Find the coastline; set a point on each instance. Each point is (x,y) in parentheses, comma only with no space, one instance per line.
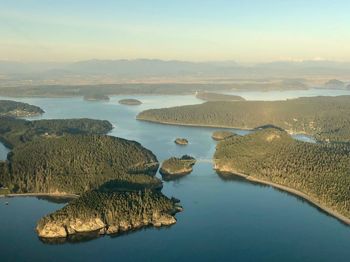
(193,125)
(213,126)
(293,191)
(40,194)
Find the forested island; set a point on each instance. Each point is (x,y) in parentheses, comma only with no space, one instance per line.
(316,172)
(130,102)
(109,213)
(209,96)
(324,118)
(18,109)
(181,141)
(96,97)
(15,132)
(174,167)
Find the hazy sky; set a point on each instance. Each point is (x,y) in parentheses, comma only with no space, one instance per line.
(241,30)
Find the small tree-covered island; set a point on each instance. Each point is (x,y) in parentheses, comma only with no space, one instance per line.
(18,109)
(130,102)
(317,172)
(181,141)
(174,167)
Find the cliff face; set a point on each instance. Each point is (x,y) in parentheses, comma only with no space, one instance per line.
(109,213)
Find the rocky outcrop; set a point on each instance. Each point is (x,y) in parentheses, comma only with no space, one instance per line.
(110,213)
(181,141)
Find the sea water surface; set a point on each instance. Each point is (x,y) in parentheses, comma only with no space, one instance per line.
(289,94)
(223,220)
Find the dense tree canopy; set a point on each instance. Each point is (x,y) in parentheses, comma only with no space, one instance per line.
(17,131)
(75,164)
(321,171)
(110,212)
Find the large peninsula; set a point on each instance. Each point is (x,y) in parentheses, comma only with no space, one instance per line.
(316,172)
(76,164)
(325,118)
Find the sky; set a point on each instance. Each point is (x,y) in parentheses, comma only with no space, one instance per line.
(247,31)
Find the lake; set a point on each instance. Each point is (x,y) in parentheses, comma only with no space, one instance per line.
(223,220)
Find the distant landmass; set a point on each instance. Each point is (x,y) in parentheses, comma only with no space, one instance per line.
(96,97)
(316,172)
(14,132)
(325,118)
(141,68)
(18,109)
(208,96)
(152,76)
(130,102)
(335,83)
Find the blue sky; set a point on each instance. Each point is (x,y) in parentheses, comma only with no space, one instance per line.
(199,30)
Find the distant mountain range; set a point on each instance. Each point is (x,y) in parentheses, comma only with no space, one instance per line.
(113,71)
(154,67)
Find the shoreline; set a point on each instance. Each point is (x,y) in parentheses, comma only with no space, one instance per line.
(292,191)
(72,196)
(215,126)
(193,125)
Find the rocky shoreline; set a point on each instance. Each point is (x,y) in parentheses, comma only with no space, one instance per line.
(110,213)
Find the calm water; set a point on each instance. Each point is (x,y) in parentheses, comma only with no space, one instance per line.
(222,220)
